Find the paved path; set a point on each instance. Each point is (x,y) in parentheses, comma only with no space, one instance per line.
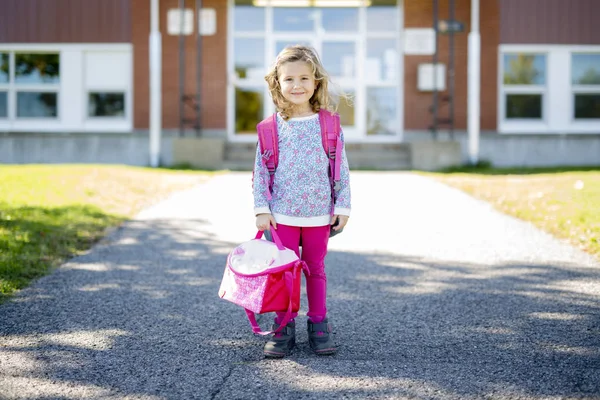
(434,295)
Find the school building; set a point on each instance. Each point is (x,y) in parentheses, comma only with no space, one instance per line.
(434,82)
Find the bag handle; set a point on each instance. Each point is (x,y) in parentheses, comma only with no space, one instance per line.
(275,236)
(289,283)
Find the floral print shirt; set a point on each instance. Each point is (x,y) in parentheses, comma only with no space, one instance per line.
(301,190)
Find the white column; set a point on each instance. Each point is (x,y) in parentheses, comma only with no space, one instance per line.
(474,85)
(155,84)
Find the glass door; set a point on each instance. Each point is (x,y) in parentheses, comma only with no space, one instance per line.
(359,47)
(333,34)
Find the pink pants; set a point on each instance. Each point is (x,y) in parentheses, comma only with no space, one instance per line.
(314,250)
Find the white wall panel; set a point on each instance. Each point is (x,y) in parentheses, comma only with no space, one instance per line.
(71,101)
(107,70)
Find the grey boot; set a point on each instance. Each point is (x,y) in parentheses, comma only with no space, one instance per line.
(320,337)
(281,342)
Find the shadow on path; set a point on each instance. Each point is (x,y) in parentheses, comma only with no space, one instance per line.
(139,317)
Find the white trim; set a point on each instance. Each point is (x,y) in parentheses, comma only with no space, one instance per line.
(400,91)
(558,91)
(230,87)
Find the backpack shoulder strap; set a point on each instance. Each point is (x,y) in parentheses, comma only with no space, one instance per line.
(268,140)
(332,144)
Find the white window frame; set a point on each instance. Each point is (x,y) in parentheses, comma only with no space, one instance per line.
(557,103)
(359,87)
(582,89)
(7,87)
(12,88)
(72,93)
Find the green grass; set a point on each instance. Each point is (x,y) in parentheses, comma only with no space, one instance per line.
(485,168)
(563,201)
(49,213)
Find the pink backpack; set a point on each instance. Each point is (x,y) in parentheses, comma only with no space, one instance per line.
(332,144)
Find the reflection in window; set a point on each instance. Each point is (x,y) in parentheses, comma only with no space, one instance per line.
(4,71)
(282,44)
(585,69)
(587,106)
(382,113)
(382,16)
(37,68)
(524,69)
(106,105)
(524,106)
(37,104)
(339,19)
(339,58)
(382,60)
(3,105)
(248,109)
(346,109)
(249,58)
(247,17)
(293,19)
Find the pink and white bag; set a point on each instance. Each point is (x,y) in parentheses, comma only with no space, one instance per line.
(263,276)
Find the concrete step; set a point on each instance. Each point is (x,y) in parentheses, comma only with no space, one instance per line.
(240,152)
(360,155)
(381,156)
(238,165)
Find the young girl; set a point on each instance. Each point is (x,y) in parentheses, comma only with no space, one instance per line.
(300,206)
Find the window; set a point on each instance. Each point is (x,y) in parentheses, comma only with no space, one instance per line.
(524,85)
(339,59)
(32,80)
(381,69)
(382,115)
(106,105)
(106,86)
(585,80)
(3,105)
(358,42)
(36,81)
(382,16)
(66,87)
(248,109)
(549,89)
(37,104)
(4,79)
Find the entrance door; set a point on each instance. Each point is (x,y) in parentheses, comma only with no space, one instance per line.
(359,47)
(340,61)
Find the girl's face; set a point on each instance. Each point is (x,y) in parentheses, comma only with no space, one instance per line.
(297,83)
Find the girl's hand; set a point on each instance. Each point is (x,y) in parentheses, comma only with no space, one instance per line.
(264,222)
(343,220)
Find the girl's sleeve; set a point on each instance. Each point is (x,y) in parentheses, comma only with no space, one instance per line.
(342,201)
(260,184)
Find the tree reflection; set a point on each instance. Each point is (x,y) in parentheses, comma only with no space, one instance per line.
(37,104)
(248,113)
(37,67)
(4,73)
(522,70)
(590,77)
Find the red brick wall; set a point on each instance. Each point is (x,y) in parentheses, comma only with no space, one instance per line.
(214,70)
(490,39)
(419,14)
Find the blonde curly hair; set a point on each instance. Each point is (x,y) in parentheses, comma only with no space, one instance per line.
(322,98)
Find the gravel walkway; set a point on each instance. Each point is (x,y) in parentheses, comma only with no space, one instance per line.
(434,295)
